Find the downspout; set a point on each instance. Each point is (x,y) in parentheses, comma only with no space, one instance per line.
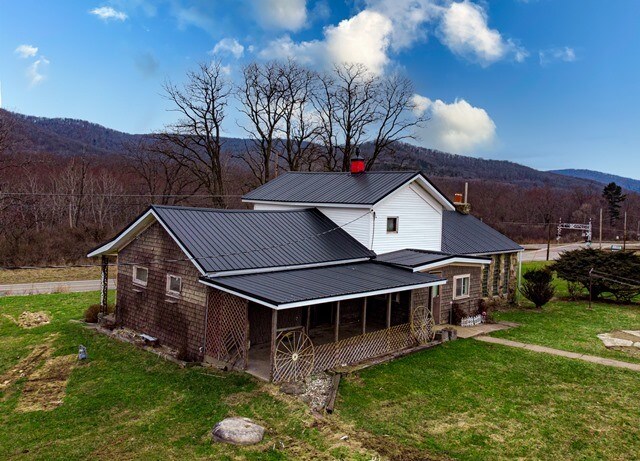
(373,229)
(519,276)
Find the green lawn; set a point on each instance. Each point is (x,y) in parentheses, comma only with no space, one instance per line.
(463,400)
(126,403)
(477,401)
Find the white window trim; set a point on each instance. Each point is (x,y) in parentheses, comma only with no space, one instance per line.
(172,293)
(397,224)
(137,281)
(455,286)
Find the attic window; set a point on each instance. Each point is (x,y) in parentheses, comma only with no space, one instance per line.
(392,225)
(140,275)
(174,285)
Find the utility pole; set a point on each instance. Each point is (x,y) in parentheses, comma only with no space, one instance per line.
(601,228)
(624,233)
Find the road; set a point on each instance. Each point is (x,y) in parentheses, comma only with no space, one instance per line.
(75,286)
(538,252)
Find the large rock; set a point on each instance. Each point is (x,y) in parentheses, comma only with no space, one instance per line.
(237,430)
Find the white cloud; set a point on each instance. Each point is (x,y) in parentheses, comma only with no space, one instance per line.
(364,39)
(107,13)
(26,51)
(35,72)
(229,46)
(464,30)
(458,127)
(281,14)
(564,54)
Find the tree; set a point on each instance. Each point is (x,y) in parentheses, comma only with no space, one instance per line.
(262,97)
(195,139)
(612,193)
(537,286)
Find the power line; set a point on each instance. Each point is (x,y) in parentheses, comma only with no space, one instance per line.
(158,261)
(64,194)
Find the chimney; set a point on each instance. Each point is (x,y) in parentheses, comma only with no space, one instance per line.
(357,163)
(460,201)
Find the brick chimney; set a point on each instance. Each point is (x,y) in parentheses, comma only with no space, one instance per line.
(460,201)
(357,163)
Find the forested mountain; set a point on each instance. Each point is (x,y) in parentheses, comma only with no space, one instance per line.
(603,178)
(70,137)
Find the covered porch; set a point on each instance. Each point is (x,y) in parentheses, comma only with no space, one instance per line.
(321,318)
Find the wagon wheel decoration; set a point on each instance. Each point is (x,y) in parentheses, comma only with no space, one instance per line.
(294,356)
(423,324)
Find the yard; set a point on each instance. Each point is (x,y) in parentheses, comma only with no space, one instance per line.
(462,400)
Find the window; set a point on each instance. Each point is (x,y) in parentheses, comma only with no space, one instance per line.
(505,275)
(140,275)
(496,275)
(461,286)
(485,280)
(392,225)
(174,285)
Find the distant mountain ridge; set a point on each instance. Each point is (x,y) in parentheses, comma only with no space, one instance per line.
(67,137)
(603,178)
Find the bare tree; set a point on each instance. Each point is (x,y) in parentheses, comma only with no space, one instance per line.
(395,120)
(299,127)
(164,179)
(196,137)
(262,101)
(72,187)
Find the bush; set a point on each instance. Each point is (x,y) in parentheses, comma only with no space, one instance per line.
(574,266)
(537,286)
(91,314)
(575,290)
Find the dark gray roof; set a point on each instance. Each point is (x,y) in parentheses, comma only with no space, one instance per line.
(318,187)
(227,240)
(412,258)
(466,234)
(291,286)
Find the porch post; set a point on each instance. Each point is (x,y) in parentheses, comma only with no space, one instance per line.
(104,284)
(308,322)
(389,310)
(336,331)
(274,331)
(364,316)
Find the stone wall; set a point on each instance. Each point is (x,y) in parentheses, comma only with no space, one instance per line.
(176,321)
(500,277)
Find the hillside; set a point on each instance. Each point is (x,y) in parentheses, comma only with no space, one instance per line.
(67,137)
(603,178)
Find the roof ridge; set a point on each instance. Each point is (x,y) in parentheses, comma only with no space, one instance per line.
(232,211)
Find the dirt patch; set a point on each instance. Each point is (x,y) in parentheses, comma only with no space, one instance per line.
(30,319)
(45,387)
(27,365)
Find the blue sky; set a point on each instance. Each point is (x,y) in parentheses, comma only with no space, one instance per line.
(547,83)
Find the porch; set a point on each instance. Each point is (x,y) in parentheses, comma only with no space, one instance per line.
(290,341)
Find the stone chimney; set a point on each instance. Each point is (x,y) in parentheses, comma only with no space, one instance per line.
(460,201)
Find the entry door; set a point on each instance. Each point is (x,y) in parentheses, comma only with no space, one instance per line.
(435,300)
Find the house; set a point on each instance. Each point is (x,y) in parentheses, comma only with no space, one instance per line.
(327,269)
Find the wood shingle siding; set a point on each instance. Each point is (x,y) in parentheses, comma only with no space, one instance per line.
(446,291)
(176,322)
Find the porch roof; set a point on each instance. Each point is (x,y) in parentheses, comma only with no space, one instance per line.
(420,260)
(304,287)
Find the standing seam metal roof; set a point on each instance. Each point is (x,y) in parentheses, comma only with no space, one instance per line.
(331,187)
(227,240)
(301,285)
(466,234)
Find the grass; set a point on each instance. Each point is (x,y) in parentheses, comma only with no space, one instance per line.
(125,403)
(464,400)
(570,325)
(8,277)
(476,401)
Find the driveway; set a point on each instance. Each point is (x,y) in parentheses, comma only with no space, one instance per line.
(74,286)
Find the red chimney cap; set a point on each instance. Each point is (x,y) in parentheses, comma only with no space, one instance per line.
(357,163)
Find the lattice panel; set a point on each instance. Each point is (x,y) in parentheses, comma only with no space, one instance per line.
(227,322)
(362,347)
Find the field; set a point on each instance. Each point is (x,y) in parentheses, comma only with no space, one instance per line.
(51,275)
(461,400)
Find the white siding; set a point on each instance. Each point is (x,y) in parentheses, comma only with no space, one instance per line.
(419,221)
(359,221)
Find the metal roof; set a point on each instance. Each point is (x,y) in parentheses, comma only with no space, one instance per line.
(232,240)
(424,259)
(334,187)
(465,234)
(286,289)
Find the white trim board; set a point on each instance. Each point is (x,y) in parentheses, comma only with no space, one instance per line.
(450,262)
(313,302)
